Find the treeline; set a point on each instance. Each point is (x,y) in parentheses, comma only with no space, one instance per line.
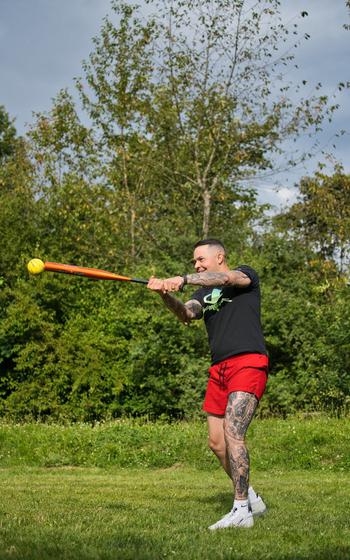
(162,152)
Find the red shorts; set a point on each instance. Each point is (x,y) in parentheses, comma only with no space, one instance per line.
(244,372)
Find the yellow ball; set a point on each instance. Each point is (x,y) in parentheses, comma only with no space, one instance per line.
(35,266)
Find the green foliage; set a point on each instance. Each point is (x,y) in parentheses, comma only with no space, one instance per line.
(305,318)
(18,227)
(92,351)
(7,136)
(165,153)
(175,126)
(80,350)
(321,217)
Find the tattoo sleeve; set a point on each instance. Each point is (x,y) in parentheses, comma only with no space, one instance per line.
(185,312)
(195,308)
(230,278)
(239,413)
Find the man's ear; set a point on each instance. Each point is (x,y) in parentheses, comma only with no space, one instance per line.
(221,258)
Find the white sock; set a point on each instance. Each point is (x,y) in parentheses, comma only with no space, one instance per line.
(240,504)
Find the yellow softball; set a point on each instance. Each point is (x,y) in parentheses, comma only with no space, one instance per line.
(35,266)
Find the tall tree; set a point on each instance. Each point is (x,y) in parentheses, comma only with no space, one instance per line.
(73,206)
(321,217)
(7,135)
(187,106)
(118,99)
(17,205)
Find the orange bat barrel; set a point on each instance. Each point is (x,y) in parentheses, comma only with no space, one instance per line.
(95,273)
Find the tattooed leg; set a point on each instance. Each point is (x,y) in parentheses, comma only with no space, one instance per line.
(239,413)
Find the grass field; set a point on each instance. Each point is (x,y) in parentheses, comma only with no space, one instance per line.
(147,513)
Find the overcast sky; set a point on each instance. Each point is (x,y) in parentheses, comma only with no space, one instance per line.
(43,42)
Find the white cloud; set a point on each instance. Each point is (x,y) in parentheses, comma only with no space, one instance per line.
(286,196)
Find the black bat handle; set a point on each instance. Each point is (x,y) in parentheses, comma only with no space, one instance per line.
(139,280)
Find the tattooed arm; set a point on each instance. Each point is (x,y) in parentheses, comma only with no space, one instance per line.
(229,278)
(207,279)
(185,312)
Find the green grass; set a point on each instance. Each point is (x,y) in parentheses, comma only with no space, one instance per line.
(296,443)
(131,490)
(90,513)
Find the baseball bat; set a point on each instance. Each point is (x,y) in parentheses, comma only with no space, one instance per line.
(36,266)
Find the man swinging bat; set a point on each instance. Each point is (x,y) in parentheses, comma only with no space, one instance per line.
(229,302)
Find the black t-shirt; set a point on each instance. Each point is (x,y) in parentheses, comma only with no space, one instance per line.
(232,318)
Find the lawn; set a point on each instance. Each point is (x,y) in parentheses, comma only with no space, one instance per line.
(148,513)
(91,513)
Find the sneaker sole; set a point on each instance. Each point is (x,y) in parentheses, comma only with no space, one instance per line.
(245,524)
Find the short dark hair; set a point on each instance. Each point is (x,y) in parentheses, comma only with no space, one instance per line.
(210,241)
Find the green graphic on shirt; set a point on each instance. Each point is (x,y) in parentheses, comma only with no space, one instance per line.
(215,300)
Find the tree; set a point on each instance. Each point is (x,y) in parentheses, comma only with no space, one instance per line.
(7,135)
(321,217)
(18,231)
(73,205)
(182,109)
(186,110)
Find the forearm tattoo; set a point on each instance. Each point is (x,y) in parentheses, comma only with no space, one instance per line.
(194,308)
(240,410)
(208,279)
(185,312)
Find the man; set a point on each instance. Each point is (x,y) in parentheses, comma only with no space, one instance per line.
(229,301)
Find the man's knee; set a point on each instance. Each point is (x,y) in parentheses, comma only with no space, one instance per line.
(217,445)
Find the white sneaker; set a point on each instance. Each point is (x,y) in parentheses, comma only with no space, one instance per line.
(237,517)
(257,505)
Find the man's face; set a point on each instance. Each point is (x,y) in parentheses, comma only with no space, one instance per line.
(207,258)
